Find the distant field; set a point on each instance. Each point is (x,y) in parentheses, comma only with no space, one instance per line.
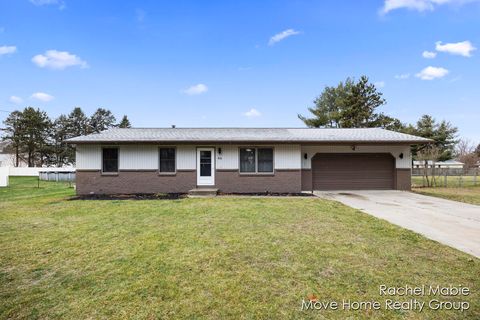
(215,258)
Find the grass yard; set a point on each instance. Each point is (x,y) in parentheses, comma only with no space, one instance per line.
(465,194)
(209,258)
(452,181)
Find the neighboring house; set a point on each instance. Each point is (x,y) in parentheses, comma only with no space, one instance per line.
(6,158)
(242,160)
(447,164)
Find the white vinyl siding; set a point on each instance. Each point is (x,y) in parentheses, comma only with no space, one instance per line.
(186,157)
(287,157)
(139,157)
(228,160)
(404,163)
(89,157)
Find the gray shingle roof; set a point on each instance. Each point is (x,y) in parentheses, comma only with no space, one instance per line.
(226,135)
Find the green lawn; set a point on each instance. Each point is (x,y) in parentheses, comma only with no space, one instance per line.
(238,258)
(465,194)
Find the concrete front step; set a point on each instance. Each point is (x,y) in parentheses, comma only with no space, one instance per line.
(203,192)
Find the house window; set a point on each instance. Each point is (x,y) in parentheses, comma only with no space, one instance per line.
(167,160)
(256,160)
(110,160)
(265,160)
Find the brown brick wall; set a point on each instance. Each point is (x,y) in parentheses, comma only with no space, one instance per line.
(307,180)
(403,179)
(284,181)
(130,182)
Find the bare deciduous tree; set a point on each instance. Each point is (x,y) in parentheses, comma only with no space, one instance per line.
(465,152)
(429,155)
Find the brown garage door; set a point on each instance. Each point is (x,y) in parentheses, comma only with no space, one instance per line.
(346,171)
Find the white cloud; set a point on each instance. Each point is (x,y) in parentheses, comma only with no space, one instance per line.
(15,99)
(59,3)
(252,113)
(418,5)
(58,60)
(196,89)
(7,50)
(429,54)
(281,36)
(380,84)
(402,76)
(42,96)
(463,48)
(430,73)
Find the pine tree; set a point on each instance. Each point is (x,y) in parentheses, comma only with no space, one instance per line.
(350,105)
(13,130)
(125,123)
(101,120)
(35,126)
(443,134)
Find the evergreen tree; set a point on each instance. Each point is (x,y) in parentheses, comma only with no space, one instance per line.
(13,130)
(30,132)
(78,123)
(125,123)
(35,125)
(101,120)
(443,134)
(62,153)
(350,105)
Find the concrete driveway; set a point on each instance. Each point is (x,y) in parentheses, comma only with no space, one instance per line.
(452,223)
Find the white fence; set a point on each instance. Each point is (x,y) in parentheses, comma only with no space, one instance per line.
(34,172)
(3,176)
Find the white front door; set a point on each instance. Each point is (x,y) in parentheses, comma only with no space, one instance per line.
(205,166)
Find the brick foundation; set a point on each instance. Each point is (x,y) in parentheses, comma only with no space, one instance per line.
(307,180)
(228,181)
(283,181)
(403,179)
(131,182)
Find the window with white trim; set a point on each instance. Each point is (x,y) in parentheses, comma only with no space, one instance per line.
(256,160)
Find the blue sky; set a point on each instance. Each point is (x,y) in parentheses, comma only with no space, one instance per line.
(239,63)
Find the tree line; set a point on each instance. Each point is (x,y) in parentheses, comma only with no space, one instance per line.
(38,140)
(354,104)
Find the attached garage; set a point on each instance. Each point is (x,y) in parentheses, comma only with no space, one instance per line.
(353,171)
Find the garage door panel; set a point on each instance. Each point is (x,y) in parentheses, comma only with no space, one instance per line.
(338,171)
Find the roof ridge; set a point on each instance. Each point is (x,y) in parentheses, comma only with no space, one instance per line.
(266,128)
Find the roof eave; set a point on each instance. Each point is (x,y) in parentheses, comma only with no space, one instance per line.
(321,142)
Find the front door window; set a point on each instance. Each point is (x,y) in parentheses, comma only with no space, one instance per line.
(205,163)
